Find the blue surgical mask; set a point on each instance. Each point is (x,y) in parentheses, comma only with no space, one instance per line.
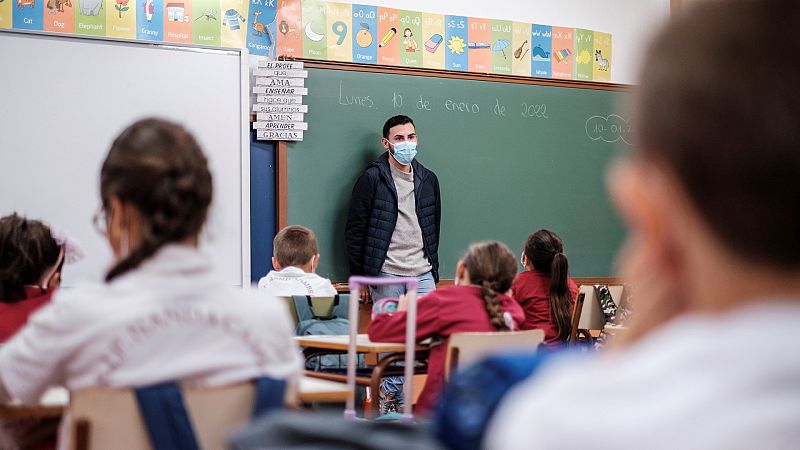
(404,152)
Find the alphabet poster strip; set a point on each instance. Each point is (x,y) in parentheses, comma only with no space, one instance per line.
(335,31)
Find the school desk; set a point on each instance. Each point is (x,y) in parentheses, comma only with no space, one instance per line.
(385,353)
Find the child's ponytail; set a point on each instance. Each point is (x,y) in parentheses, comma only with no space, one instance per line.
(545,250)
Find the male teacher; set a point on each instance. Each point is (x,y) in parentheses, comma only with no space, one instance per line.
(393,224)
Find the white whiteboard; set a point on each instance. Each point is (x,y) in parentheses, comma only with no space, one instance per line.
(64,99)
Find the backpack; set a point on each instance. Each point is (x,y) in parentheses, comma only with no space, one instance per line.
(334,324)
(473,394)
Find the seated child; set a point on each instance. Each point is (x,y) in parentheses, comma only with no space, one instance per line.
(476,303)
(295,259)
(161,314)
(544,289)
(31,258)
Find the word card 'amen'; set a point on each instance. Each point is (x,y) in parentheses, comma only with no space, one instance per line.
(279,108)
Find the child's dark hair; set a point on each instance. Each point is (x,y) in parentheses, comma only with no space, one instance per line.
(729,134)
(27,250)
(492,266)
(158,167)
(545,251)
(395,121)
(294,245)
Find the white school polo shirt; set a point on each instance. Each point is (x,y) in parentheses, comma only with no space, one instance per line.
(169,319)
(294,281)
(699,382)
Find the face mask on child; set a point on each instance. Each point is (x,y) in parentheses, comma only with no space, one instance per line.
(404,152)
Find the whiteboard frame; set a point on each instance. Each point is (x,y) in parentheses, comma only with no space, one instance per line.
(244,104)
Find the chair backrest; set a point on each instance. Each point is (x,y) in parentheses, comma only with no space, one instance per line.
(103,418)
(576,318)
(465,348)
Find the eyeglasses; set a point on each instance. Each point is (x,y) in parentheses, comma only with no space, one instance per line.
(100,221)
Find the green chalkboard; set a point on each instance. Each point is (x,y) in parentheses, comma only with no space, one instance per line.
(511,158)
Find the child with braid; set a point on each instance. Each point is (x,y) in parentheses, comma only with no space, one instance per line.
(162,313)
(476,303)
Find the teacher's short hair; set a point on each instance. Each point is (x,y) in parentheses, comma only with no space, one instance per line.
(395,121)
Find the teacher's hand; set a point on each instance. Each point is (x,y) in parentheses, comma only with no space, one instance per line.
(365,297)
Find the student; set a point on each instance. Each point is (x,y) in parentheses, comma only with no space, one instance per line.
(162,314)
(295,259)
(544,289)
(30,270)
(476,303)
(709,196)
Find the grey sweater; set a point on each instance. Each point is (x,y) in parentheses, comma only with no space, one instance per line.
(406,255)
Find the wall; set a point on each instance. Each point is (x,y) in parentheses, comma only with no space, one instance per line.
(629,21)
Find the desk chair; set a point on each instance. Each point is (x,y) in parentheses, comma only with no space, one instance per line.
(465,348)
(591,320)
(572,339)
(105,418)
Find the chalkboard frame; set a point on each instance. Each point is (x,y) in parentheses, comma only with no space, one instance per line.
(281,153)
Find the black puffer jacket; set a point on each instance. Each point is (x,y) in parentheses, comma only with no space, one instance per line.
(373,215)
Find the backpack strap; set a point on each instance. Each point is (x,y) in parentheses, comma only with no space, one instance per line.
(270,393)
(304,306)
(164,414)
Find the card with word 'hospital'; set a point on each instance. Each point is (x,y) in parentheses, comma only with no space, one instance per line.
(364,32)
(340,28)
(178,21)
(434,47)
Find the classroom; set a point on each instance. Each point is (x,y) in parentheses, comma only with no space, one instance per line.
(273,224)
